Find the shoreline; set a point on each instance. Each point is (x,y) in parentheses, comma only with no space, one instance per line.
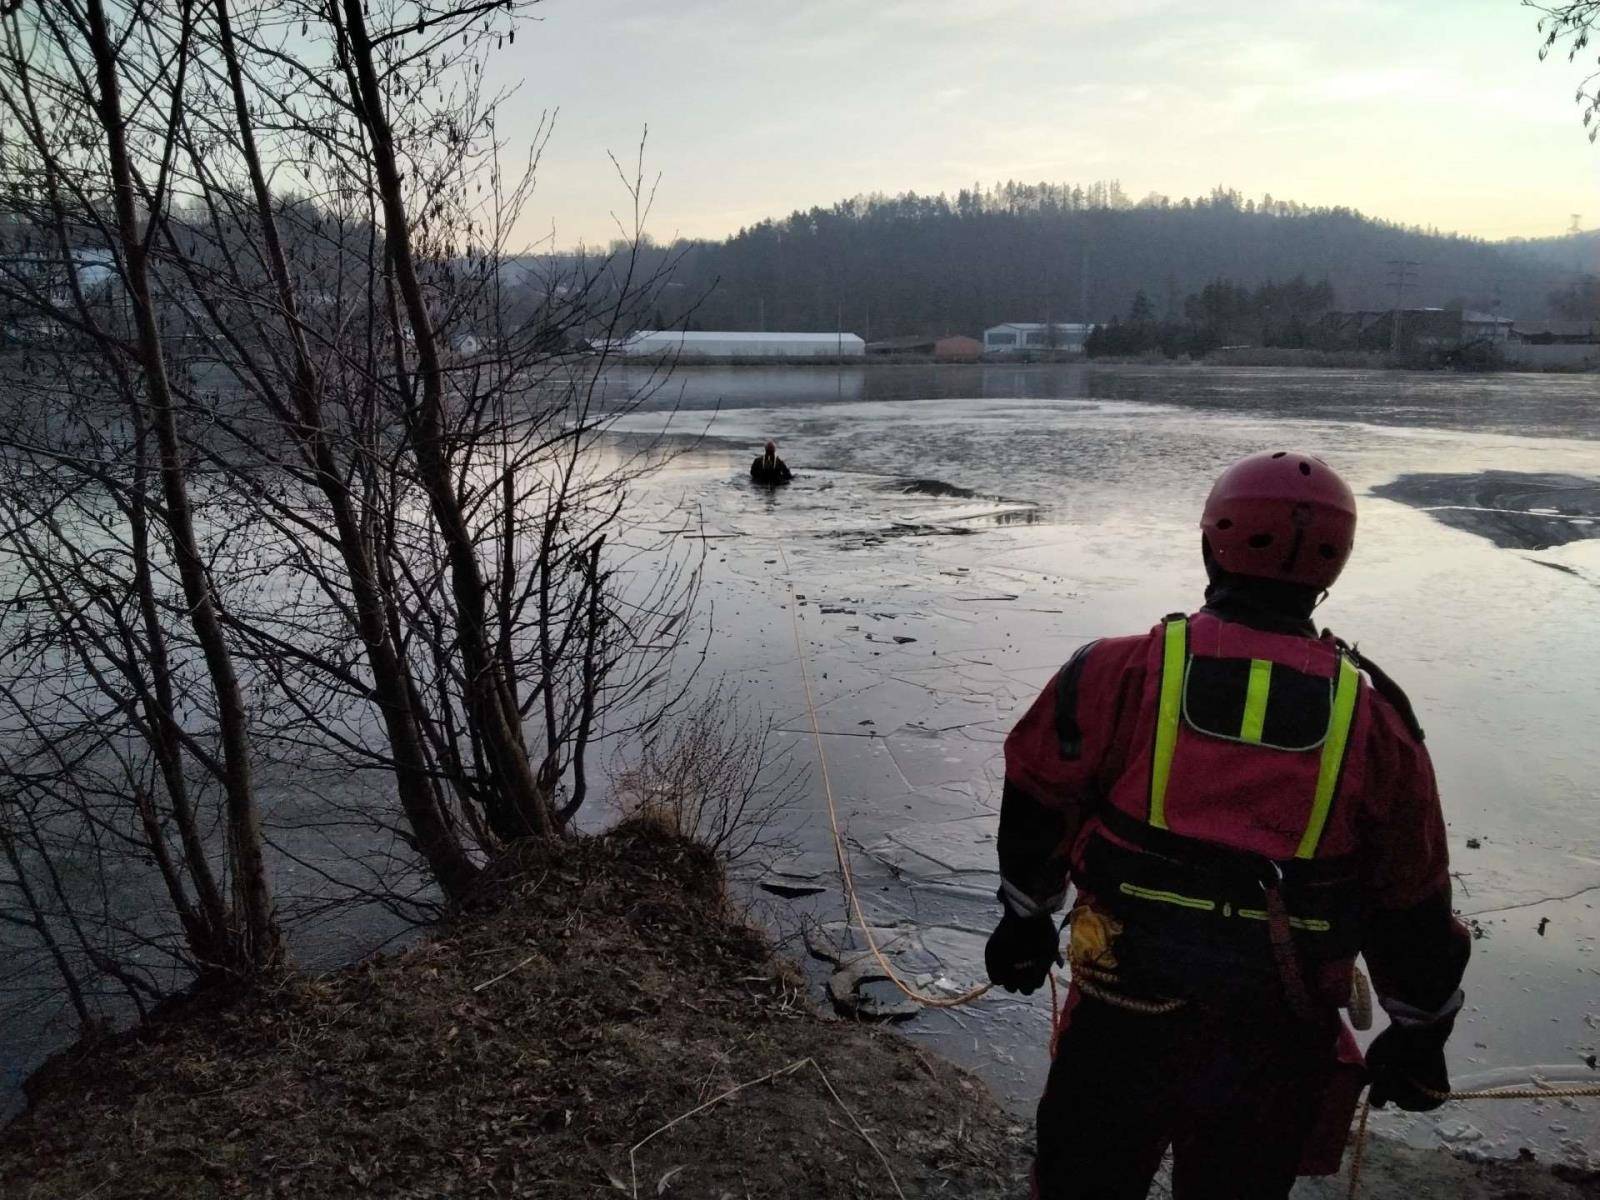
(608,1024)
(1263,359)
(609,991)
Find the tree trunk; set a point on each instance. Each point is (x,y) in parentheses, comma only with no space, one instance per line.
(260,942)
(165,738)
(445,855)
(522,808)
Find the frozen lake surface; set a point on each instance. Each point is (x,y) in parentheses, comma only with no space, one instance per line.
(954,533)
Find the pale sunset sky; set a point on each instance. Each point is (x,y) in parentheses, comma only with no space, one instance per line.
(1427,113)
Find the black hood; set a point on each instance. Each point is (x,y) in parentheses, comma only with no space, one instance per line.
(1266,604)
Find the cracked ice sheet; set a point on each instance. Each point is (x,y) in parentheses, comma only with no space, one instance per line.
(961,847)
(912,809)
(941,715)
(936,759)
(879,708)
(944,957)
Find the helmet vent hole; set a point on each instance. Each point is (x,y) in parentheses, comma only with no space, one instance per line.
(1225,523)
(1327,551)
(1280,454)
(1305,468)
(1260,541)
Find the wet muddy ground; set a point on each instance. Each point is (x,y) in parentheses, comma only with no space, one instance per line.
(930,614)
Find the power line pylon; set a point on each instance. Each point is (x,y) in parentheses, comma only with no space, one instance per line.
(1402,272)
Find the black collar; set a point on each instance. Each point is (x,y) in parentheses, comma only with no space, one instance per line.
(1237,605)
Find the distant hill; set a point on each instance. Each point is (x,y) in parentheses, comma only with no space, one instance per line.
(885,266)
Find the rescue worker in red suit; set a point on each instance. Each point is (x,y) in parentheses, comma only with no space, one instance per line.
(1243,806)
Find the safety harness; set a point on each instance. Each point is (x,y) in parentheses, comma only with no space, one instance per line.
(1199,882)
(1175,665)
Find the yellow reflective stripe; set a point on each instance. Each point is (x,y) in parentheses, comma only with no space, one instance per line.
(1344,709)
(1314,924)
(1255,701)
(1144,893)
(1174,655)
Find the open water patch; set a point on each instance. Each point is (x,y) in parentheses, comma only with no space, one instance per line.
(927,508)
(1515,510)
(930,487)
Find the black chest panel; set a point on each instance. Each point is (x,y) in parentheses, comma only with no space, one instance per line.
(1293,710)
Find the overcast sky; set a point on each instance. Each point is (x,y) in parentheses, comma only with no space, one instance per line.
(1434,113)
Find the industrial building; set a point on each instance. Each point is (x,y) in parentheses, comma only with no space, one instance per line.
(1032,337)
(1413,330)
(1455,335)
(957,347)
(1544,344)
(915,343)
(952,347)
(675,343)
(1485,327)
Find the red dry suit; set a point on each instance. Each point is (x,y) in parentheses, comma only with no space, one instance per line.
(1242,811)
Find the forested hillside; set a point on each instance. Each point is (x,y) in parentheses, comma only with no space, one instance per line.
(885,266)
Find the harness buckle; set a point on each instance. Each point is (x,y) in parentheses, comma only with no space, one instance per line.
(1270,878)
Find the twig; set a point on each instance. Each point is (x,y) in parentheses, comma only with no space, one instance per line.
(1483,912)
(633,1172)
(633,1168)
(719,1059)
(867,1138)
(478,987)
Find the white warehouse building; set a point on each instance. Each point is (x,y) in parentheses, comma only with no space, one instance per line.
(675,343)
(1032,337)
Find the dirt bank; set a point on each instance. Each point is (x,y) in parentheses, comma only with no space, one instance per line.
(610,992)
(523,1053)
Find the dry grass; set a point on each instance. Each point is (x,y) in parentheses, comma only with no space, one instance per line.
(608,992)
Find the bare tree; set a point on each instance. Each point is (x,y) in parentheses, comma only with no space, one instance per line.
(294,487)
(1572,25)
(63,91)
(713,774)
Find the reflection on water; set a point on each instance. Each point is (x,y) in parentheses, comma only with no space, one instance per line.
(1566,406)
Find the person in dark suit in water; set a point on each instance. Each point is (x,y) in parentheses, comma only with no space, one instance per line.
(769,468)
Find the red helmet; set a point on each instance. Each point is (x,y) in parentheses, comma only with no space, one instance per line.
(1281,515)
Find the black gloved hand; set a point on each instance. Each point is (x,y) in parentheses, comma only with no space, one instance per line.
(1021,951)
(1405,1059)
